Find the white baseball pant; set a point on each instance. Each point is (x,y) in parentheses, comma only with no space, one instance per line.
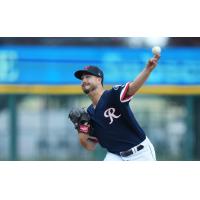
(145,154)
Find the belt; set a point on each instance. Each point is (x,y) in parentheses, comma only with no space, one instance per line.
(131,151)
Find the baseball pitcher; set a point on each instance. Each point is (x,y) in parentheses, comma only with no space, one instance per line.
(109,120)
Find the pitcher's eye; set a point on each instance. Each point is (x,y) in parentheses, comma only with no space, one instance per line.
(85,76)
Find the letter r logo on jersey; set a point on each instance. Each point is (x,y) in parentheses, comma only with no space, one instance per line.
(110,112)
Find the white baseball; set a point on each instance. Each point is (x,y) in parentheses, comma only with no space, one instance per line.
(156,50)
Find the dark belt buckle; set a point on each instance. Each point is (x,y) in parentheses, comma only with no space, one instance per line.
(126,153)
(130,151)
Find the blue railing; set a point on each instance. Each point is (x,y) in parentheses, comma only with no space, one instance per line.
(56,65)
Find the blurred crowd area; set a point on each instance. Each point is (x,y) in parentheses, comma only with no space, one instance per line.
(44,132)
(36,126)
(102,41)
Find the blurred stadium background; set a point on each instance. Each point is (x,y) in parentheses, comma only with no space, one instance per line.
(37,90)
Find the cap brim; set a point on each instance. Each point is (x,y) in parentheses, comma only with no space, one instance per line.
(78,74)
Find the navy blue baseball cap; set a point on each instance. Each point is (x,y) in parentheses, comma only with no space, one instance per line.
(92,70)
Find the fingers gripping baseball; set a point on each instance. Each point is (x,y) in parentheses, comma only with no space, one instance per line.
(81,120)
(153,62)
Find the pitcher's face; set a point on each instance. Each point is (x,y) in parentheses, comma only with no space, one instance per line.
(89,83)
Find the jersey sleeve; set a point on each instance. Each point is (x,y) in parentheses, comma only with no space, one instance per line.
(120,92)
